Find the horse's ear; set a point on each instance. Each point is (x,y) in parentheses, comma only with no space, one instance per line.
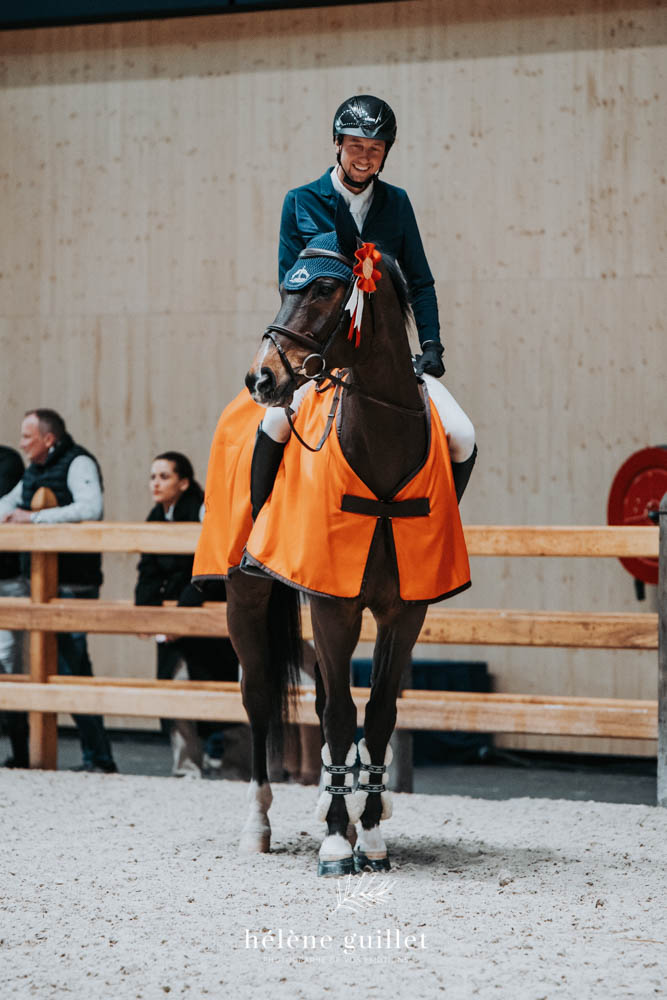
(346,230)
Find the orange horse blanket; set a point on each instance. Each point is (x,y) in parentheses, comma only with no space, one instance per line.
(316,529)
(228,517)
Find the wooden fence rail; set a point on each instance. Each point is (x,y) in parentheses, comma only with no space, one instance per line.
(44,614)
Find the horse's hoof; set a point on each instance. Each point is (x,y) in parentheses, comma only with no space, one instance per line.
(255,843)
(364,863)
(341,866)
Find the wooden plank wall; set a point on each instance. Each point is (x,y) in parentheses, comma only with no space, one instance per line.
(142,169)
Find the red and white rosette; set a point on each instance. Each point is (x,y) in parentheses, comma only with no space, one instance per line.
(367,276)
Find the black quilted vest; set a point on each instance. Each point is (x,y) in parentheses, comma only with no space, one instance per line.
(11,472)
(73,567)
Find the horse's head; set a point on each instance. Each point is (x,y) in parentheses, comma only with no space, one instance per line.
(308,334)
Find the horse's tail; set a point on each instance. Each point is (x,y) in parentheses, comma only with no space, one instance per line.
(285,644)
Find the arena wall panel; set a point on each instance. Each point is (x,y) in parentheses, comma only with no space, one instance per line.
(142,170)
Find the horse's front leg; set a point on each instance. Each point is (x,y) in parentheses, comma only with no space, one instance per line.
(247,620)
(336,628)
(396,638)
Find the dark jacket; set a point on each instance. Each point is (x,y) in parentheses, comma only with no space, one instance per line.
(11,472)
(309,211)
(165,577)
(82,568)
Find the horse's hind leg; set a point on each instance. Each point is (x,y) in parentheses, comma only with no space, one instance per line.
(247,619)
(393,649)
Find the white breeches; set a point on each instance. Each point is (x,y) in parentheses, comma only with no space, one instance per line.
(458,426)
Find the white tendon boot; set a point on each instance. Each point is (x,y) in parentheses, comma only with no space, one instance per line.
(335,856)
(256,832)
(370,853)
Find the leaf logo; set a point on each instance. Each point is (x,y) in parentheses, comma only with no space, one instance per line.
(362,893)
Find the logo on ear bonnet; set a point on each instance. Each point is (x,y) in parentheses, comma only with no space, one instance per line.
(298,278)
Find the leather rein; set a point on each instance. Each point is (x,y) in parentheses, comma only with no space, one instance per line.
(324,377)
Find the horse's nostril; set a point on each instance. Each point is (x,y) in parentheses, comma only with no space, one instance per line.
(266,382)
(263,384)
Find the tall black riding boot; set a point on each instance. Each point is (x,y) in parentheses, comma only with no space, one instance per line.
(461,472)
(266,459)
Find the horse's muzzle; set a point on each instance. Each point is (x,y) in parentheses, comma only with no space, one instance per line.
(262,385)
(264,389)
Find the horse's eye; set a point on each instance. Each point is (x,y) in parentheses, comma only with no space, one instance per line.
(323,289)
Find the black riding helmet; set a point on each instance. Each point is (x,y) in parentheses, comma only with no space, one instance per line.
(366,116)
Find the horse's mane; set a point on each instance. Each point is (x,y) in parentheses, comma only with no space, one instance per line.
(401,287)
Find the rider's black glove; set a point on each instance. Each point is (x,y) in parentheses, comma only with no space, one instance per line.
(431,360)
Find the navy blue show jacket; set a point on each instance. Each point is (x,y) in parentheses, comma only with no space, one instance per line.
(309,211)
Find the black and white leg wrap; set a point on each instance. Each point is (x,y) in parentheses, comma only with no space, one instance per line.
(371,782)
(346,789)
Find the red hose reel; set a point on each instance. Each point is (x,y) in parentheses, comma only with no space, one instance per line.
(635,495)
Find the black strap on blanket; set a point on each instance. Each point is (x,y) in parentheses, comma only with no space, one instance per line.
(417,507)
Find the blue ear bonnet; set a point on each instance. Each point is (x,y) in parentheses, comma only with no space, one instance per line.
(306,269)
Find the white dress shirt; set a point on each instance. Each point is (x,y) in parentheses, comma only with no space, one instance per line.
(358,204)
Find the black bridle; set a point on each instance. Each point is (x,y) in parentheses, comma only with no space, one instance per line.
(324,376)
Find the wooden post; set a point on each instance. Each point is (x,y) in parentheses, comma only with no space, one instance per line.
(662,658)
(43,646)
(43,662)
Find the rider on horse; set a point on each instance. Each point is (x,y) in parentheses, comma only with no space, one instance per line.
(364,130)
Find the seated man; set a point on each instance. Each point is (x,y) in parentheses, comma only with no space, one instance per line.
(73,476)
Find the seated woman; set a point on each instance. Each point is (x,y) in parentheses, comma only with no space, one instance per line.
(179,497)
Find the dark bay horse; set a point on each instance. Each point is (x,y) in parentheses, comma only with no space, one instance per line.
(384,436)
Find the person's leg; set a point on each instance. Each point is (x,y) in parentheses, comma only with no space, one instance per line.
(272,435)
(11,662)
(187,760)
(168,660)
(73,659)
(459,430)
(266,459)
(210,659)
(310,737)
(214,746)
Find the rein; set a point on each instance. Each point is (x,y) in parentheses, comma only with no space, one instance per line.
(326,378)
(327,428)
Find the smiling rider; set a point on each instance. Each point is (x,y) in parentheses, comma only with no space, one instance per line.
(364,130)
